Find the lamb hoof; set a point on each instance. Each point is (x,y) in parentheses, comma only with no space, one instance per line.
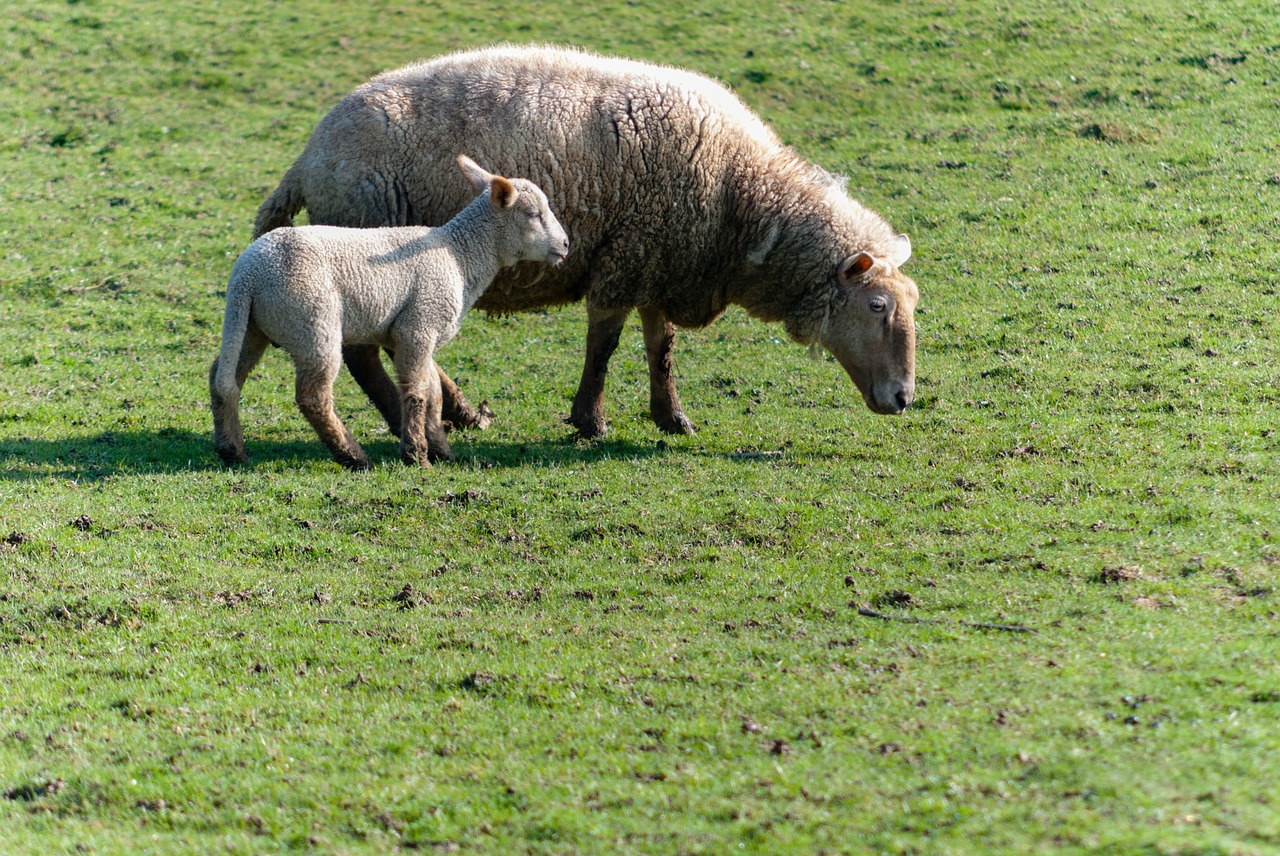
(675,423)
(415,457)
(465,418)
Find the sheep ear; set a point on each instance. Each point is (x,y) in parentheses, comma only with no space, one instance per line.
(901,251)
(476,174)
(502,193)
(855,266)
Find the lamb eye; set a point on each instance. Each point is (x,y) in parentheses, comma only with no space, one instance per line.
(877,304)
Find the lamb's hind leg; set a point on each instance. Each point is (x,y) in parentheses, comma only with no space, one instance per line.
(314,393)
(228,434)
(456,410)
(664,402)
(366,368)
(603,328)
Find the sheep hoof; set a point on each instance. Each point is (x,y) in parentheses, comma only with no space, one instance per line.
(589,427)
(231,455)
(675,423)
(353,463)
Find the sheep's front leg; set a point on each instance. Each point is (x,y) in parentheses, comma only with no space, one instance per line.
(314,394)
(664,402)
(603,328)
(423,438)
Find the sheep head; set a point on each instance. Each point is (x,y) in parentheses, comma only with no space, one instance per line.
(870,328)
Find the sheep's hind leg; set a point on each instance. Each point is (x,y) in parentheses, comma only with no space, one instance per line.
(366,367)
(664,402)
(314,395)
(603,328)
(228,433)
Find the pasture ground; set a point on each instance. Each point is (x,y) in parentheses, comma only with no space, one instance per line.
(650,643)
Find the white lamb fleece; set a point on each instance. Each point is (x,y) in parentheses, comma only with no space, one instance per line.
(313,289)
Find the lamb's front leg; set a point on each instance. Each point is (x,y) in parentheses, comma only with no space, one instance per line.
(422,439)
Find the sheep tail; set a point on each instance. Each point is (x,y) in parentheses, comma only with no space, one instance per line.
(284,202)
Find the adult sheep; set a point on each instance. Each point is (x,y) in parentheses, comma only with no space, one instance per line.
(678,201)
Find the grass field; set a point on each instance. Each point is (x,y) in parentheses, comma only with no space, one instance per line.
(1036,612)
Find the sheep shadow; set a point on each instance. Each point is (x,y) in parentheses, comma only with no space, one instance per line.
(476,449)
(170,450)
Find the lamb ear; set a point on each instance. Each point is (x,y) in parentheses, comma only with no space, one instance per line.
(901,251)
(855,266)
(502,193)
(476,174)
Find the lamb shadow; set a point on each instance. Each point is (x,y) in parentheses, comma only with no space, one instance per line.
(168,450)
(113,453)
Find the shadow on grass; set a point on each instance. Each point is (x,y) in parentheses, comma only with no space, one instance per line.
(128,452)
(476,449)
(111,453)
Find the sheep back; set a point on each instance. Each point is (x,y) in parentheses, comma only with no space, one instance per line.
(663,178)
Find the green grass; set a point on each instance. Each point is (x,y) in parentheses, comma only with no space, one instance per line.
(650,643)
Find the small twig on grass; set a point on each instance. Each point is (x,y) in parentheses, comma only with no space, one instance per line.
(772,453)
(1008,628)
(978,625)
(334,621)
(109,282)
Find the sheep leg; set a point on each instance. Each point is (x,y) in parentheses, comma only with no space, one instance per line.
(366,367)
(664,402)
(314,394)
(228,433)
(423,439)
(603,328)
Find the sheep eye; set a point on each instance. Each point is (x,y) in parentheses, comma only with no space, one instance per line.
(877,304)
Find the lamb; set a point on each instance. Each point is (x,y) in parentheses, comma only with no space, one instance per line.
(678,199)
(313,289)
